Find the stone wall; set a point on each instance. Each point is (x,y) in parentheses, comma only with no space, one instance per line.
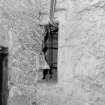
(83,51)
(21,33)
(81,55)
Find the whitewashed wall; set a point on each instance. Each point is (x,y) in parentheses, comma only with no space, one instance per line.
(21,33)
(82,52)
(81,79)
(81,70)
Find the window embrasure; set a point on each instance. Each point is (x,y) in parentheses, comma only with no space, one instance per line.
(50,51)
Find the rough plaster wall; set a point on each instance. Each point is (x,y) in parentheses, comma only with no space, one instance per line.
(81,43)
(83,50)
(81,70)
(21,33)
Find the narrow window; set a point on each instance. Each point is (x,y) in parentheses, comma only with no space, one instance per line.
(50,50)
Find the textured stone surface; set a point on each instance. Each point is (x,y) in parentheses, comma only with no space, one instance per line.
(84,52)
(21,33)
(81,63)
(81,55)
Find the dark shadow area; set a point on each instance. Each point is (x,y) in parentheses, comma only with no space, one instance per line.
(3,75)
(50,50)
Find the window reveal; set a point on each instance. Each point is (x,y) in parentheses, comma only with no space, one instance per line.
(50,50)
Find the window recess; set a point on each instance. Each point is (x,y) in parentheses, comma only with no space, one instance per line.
(50,50)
